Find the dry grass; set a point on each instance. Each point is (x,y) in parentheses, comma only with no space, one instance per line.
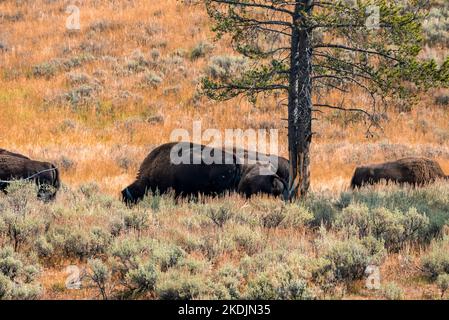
(104,138)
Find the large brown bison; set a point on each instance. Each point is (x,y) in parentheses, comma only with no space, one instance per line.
(414,171)
(207,176)
(14,166)
(189,175)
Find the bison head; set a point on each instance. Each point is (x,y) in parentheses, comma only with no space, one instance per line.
(133,193)
(362,176)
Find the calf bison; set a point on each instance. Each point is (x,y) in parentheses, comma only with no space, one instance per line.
(17,167)
(280,164)
(414,171)
(182,168)
(253,182)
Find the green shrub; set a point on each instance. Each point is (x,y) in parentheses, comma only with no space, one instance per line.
(432,201)
(436,25)
(246,239)
(195,265)
(323,211)
(17,276)
(219,214)
(151,79)
(44,249)
(6,286)
(343,261)
(436,261)
(297,216)
(136,220)
(280,284)
(393,227)
(201,50)
(272,219)
(177,286)
(224,67)
(230,278)
(167,255)
(143,278)
(22,229)
(262,287)
(75,242)
(443,283)
(391,291)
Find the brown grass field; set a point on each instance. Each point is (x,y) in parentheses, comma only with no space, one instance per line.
(102,138)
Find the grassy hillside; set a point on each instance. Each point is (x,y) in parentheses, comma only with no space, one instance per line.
(96,101)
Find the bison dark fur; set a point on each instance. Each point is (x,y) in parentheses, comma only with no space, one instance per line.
(18,167)
(159,173)
(414,171)
(13,154)
(255,182)
(281,164)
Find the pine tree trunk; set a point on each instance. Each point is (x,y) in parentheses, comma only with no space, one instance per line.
(300,104)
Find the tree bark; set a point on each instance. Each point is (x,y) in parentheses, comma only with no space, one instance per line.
(300,103)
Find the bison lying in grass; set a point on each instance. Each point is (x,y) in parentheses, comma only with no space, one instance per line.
(413,171)
(15,166)
(205,176)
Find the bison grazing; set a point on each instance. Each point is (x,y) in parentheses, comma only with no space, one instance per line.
(16,167)
(180,167)
(280,164)
(414,171)
(253,183)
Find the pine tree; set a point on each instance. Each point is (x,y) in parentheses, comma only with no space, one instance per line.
(300,48)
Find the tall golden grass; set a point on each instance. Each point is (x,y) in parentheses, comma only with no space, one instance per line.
(105,141)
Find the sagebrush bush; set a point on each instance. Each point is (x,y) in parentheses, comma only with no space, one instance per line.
(443,283)
(18,276)
(278,284)
(391,291)
(175,285)
(322,209)
(395,228)
(151,79)
(246,239)
(143,278)
(436,25)
(219,214)
(343,261)
(436,261)
(201,50)
(224,67)
(432,202)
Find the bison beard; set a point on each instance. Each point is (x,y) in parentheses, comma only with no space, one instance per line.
(17,167)
(414,171)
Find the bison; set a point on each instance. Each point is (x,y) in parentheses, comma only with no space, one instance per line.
(233,173)
(17,167)
(9,153)
(280,164)
(189,175)
(254,182)
(414,171)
